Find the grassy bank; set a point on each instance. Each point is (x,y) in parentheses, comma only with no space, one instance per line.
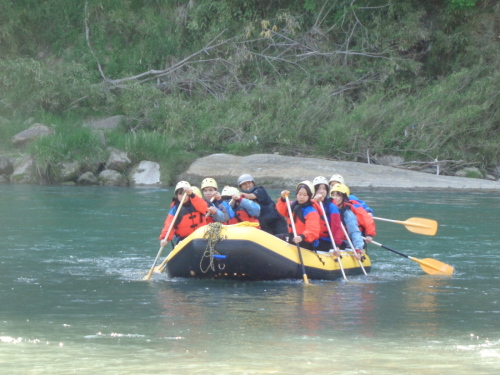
(334,79)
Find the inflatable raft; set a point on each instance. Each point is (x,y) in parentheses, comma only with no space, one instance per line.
(244,252)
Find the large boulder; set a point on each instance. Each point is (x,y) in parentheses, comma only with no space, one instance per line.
(146,173)
(286,171)
(118,161)
(88,178)
(67,171)
(390,160)
(6,166)
(24,171)
(29,135)
(110,177)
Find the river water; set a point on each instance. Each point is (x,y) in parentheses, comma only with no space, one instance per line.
(73,300)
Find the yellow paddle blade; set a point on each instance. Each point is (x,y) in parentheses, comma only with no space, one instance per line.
(148,276)
(159,269)
(434,267)
(420,225)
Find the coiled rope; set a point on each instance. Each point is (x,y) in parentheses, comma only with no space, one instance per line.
(213,235)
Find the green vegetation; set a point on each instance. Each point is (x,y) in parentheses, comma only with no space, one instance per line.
(335,78)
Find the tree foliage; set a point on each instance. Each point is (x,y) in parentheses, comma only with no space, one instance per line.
(335,78)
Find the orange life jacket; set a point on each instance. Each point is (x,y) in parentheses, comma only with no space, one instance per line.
(190,218)
(240,215)
(305,217)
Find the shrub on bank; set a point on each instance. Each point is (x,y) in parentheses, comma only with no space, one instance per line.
(346,81)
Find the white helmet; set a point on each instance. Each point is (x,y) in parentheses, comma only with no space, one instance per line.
(209,182)
(182,185)
(229,191)
(337,178)
(320,180)
(245,178)
(309,185)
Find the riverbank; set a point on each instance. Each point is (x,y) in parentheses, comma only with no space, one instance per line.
(270,170)
(284,171)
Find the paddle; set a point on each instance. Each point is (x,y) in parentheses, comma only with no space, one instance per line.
(150,273)
(208,212)
(331,237)
(353,248)
(418,225)
(304,275)
(429,265)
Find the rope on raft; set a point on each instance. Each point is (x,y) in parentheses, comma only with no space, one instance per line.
(213,235)
(320,259)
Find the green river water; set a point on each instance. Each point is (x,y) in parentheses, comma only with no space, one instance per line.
(73,300)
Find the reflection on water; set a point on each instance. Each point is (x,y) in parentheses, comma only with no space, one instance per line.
(71,268)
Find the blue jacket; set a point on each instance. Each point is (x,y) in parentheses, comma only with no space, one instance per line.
(351,225)
(251,207)
(224,211)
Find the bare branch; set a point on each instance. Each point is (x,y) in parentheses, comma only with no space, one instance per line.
(318,21)
(281,51)
(153,74)
(87,38)
(351,85)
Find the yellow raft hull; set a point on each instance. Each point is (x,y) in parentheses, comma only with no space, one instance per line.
(243,252)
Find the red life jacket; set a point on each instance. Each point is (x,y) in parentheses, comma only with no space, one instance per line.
(335,227)
(365,221)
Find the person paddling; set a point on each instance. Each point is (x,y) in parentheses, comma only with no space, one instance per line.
(270,220)
(338,179)
(218,210)
(244,209)
(190,217)
(340,195)
(330,210)
(305,216)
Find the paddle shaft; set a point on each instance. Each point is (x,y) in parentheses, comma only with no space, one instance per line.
(331,237)
(150,273)
(304,275)
(401,222)
(436,267)
(208,212)
(388,248)
(352,247)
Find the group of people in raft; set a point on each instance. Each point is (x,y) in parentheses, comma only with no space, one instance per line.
(324,210)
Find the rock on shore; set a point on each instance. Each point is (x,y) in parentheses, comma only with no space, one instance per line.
(285,171)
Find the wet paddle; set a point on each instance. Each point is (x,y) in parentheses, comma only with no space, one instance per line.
(150,273)
(304,275)
(429,265)
(418,225)
(208,212)
(331,238)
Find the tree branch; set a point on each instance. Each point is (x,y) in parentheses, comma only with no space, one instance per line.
(87,38)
